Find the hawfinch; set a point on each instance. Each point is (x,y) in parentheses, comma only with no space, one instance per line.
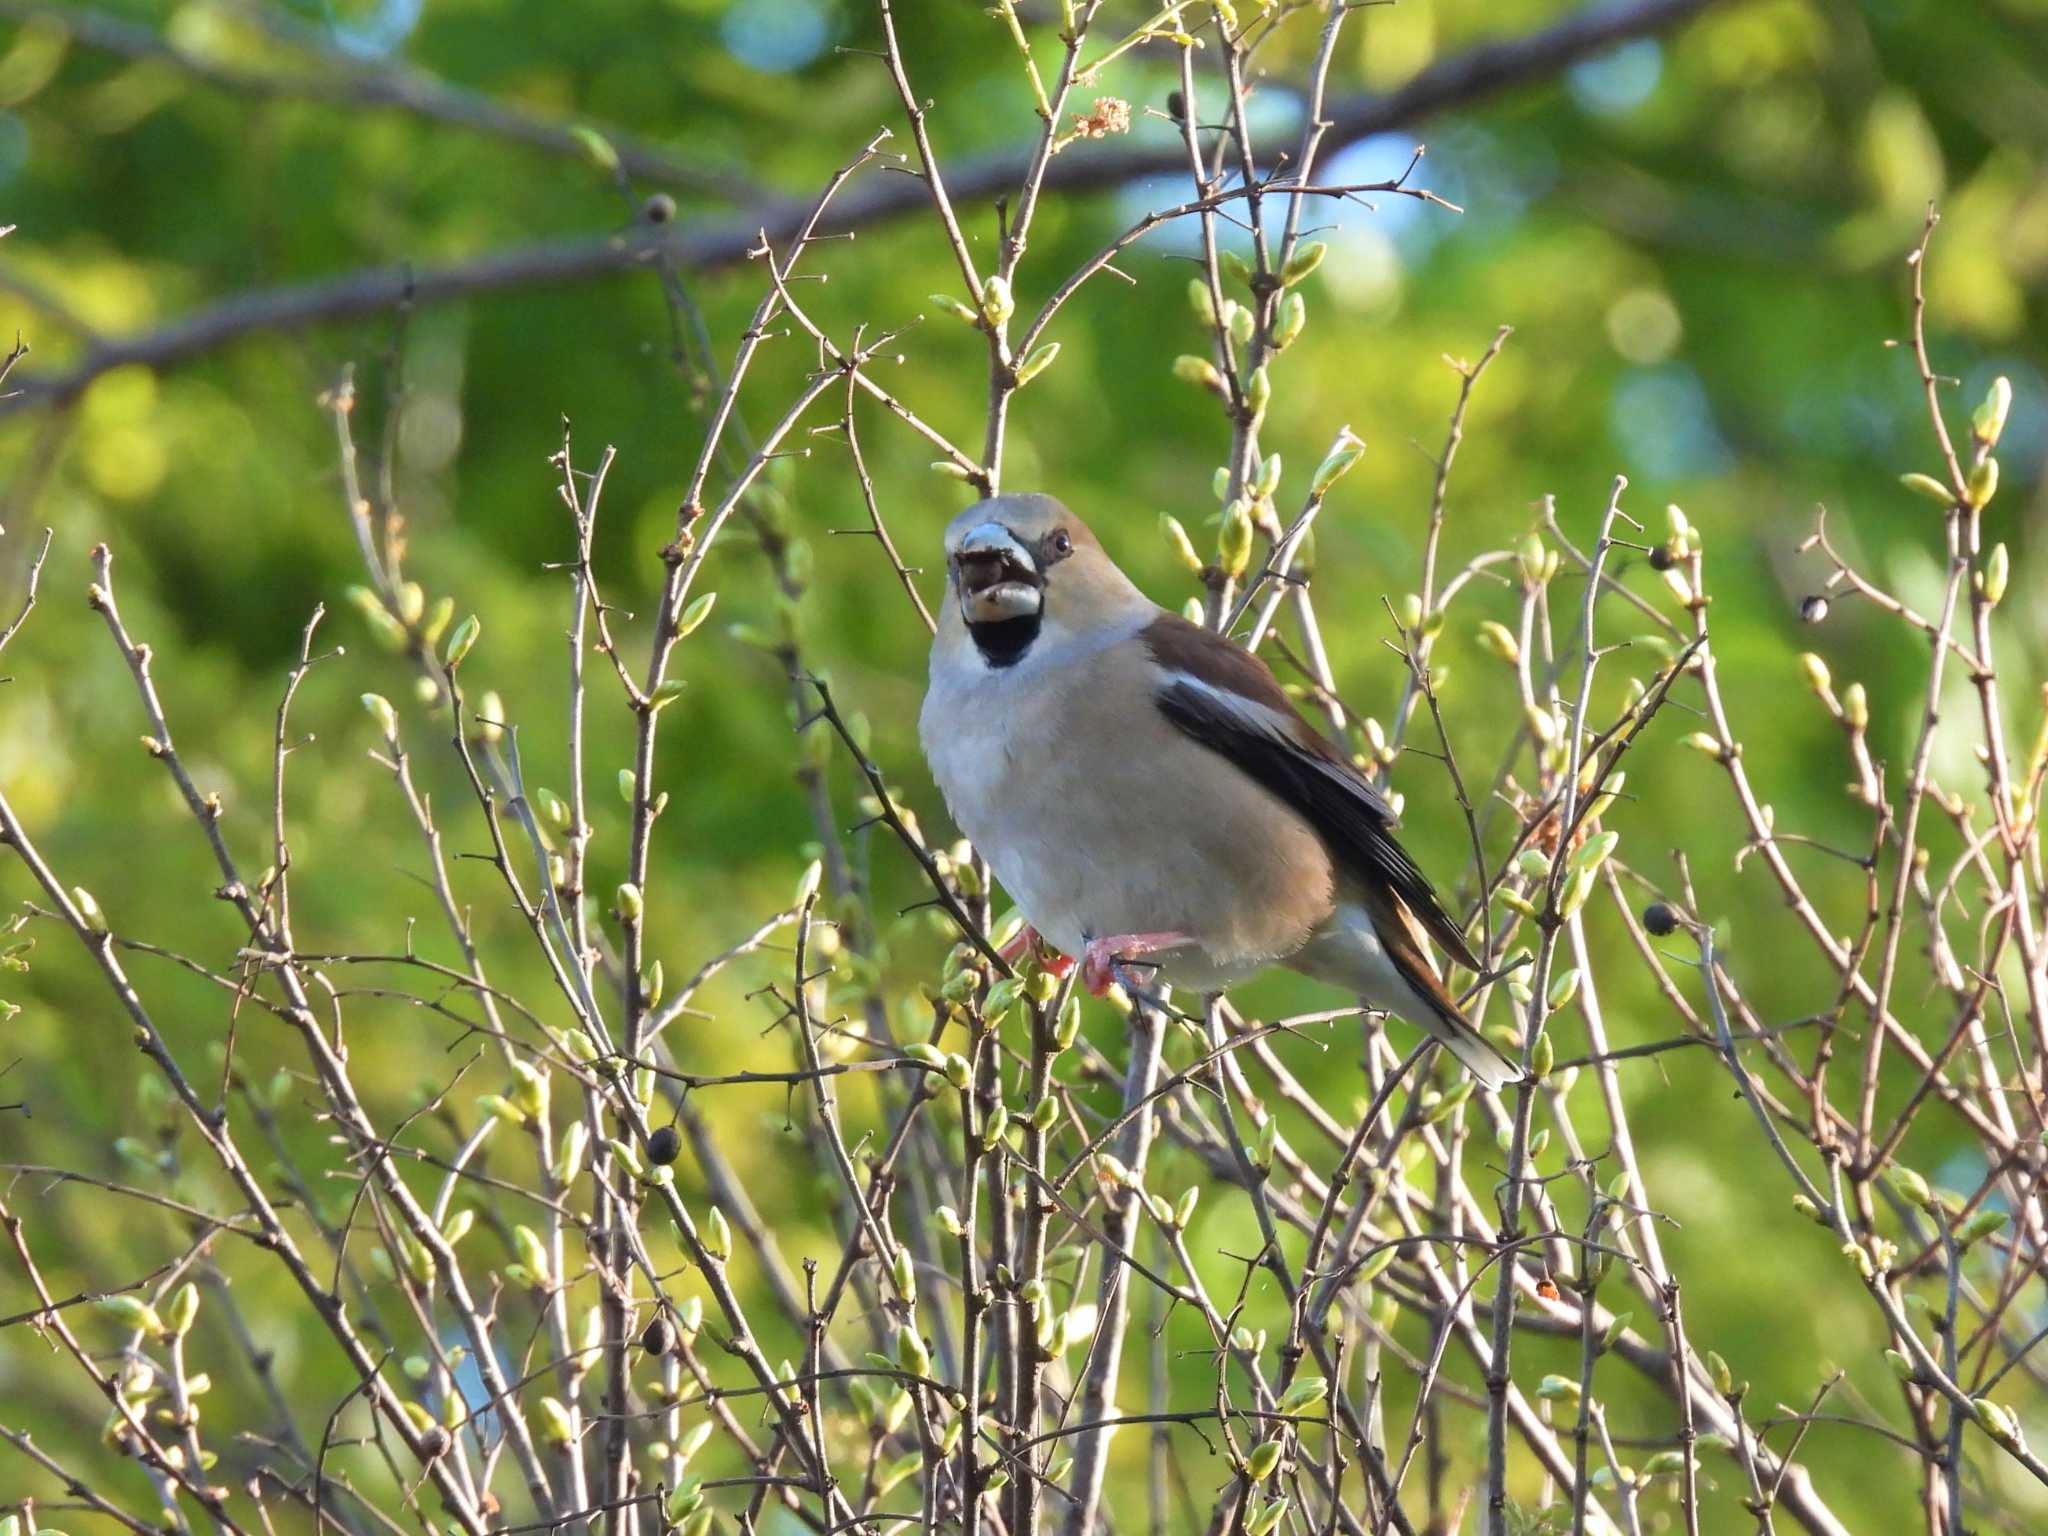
(1150,797)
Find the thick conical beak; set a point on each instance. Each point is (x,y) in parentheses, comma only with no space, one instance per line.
(997,576)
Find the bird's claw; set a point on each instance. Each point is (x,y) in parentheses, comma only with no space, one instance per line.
(1106,961)
(1029,942)
(1098,970)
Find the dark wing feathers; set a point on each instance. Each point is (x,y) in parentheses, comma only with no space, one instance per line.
(1401,936)
(1229,701)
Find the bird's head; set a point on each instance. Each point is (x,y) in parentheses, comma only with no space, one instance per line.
(1022,567)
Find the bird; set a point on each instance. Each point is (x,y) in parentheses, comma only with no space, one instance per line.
(1150,797)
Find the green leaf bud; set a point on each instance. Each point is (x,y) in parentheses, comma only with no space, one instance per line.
(1306,258)
(1928,486)
(1183,547)
(462,640)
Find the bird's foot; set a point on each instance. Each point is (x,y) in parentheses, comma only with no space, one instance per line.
(1029,941)
(1104,964)
(1022,945)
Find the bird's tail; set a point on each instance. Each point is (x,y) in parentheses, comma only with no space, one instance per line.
(1476,1053)
(1401,937)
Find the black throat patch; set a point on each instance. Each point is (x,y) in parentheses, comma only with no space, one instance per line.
(1003,642)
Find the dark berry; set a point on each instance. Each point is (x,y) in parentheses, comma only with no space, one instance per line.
(659,1338)
(434,1443)
(1660,920)
(1814,609)
(659,209)
(1660,557)
(664,1144)
(1176,105)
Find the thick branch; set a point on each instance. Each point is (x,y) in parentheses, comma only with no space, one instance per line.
(1457,82)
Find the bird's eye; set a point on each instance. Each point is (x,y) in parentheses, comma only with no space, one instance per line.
(1061,543)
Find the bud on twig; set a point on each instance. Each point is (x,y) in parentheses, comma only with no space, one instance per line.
(1261,1149)
(1856,707)
(1988,423)
(1983,483)
(1928,486)
(1909,1185)
(716,1235)
(1069,1026)
(569,1161)
(1346,451)
(1183,546)
(1306,258)
(89,910)
(1258,390)
(1500,640)
(911,1354)
(1190,369)
(1999,1422)
(696,613)
(557,1428)
(994,1125)
(1304,1394)
(1997,570)
(1979,1226)
(1039,360)
(1293,316)
(183,1310)
(132,1312)
(460,642)
(1234,539)
(997,302)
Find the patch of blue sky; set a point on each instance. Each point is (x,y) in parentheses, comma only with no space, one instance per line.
(2025,439)
(1493,181)
(775,36)
(1410,223)
(379,31)
(468,1384)
(1663,422)
(1615,83)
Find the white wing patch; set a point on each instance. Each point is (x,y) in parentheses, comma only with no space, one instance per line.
(1249,713)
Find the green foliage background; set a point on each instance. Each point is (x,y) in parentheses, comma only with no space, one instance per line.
(1698,241)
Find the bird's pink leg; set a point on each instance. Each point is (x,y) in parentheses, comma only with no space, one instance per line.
(1099,965)
(1027,940)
